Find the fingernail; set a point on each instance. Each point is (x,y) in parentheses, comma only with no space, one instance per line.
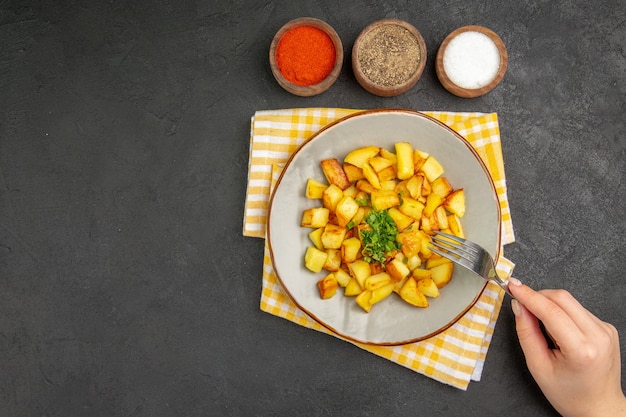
(515,281)
(517,310)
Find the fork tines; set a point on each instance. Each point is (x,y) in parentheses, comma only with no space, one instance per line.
(454,248)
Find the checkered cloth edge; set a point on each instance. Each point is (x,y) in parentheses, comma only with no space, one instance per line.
(455,356)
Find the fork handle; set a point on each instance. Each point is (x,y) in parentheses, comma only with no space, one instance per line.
(503,284)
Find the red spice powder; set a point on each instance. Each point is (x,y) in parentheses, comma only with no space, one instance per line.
(305,55)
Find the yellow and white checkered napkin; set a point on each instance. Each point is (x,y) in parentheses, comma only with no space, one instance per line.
(454,356)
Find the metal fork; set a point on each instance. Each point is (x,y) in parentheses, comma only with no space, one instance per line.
(469,255)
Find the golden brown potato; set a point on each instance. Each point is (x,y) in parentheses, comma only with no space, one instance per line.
(455,226)
(352,288)
(360,270)
(381,292)
(315,217)
(350,250)
(314,189)
(331,196)
(334,173)
(342,277)
(353,173)
(384,199)
(363,300)
(333,260)
(411,207)
(360,156)
(401,220)
(406,167)
(398,270)
(442,274)
(345,210)
(432,169)
(332,236)
(327,286)
(441,186)
(412,295)
(371,176)
(314,259)
(455,202)
(432,202)
(427,287)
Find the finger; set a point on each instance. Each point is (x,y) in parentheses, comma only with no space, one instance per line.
(582,317)
(556,320)
(531,339)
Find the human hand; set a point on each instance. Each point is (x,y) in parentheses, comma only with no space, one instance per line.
(582,376)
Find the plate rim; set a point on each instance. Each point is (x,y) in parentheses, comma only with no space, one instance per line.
(303,145)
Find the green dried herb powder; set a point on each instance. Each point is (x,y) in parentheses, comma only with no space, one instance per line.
(389,55)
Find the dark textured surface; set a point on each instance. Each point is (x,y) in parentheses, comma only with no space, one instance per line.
(126,286)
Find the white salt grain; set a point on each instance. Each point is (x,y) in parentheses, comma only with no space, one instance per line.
(471,60)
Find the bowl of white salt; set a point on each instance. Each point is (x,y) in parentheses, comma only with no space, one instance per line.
(471,61)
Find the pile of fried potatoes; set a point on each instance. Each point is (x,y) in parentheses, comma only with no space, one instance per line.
(409,184)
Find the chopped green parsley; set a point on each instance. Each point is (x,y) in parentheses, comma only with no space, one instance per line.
(380,241)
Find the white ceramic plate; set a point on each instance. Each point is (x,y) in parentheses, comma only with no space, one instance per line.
(392,321)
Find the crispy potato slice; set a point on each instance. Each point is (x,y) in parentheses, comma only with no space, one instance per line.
(421,273)
(412,295)
(314,189)
(404,153)
(442,274)
(414,186)
(387,174)
(371,176)
(387,154)
(315,217)
(342,277)
(411,207)
(427,287)
(401,220)
(432,169)
(377,280)
(455,225)
(327,286)
(350,250)
(381,292)
(359,157)
(352,288)
(363,300)
(441,186)
(333,260)
(314,259)
(432,202)
(384,199)
(398,270)
(455,202)
(379,163)
(436,260)
(419,158)
(353,173)
(333,235)
(334,173)
(360,270)
(411,242)
(345,210)
(331,196)
(365,186)
(316,237)
(442,217)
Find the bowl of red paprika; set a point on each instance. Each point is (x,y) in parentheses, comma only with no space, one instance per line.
(306,56)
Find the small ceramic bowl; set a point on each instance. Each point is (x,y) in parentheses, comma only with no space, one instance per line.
(388,57)
(476,75)
(326,83)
